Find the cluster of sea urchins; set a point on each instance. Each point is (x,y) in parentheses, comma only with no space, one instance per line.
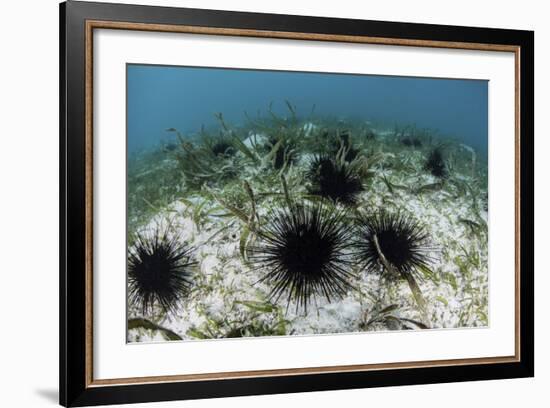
(159,271)
(334,180)
(309,250)
(305,252)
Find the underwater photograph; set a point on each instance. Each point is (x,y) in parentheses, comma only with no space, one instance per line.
(283,203)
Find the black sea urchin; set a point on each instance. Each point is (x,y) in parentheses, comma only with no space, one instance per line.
(406,141)
(392,238)
(223,147)
(411,142)
(285,155)
(304,254)
(158,271)
(333,180)
(435,163)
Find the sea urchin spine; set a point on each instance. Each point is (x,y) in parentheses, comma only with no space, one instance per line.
(304,254)
(158,271)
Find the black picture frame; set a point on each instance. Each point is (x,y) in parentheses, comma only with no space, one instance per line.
(75,387)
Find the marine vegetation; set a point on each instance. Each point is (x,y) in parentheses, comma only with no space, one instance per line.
(284,151)
(205,164)
(343,147)
(159,271)
(303,251)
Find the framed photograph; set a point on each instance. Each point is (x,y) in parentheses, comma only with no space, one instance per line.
(256,204)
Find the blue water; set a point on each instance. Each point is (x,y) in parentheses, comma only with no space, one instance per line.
(161,97)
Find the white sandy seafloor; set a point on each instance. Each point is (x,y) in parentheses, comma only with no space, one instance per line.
(227,298)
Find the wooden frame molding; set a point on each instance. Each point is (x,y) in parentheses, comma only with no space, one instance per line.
(78,22)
